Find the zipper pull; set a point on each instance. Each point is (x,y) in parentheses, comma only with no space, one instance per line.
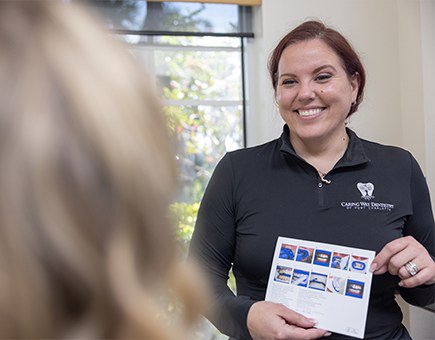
(324,180)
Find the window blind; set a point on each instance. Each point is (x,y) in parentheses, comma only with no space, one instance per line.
(179,18)
(233,2)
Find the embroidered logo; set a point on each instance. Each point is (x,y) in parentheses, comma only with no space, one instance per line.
(366,190)
(366,203)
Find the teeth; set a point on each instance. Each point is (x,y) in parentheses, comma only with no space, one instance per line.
(309,112)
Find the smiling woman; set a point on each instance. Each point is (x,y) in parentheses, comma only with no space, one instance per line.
(319,182)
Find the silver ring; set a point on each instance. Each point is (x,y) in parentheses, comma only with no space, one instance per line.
(412,268)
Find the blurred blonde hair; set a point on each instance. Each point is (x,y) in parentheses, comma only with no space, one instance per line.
(86,175)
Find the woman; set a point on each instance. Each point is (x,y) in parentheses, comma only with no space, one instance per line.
(87,173)
(302,186)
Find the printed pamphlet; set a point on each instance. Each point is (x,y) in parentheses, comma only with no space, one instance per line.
(325,282)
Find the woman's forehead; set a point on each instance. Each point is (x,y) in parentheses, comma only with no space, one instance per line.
(308,55)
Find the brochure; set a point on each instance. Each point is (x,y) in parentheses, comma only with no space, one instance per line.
(325,282)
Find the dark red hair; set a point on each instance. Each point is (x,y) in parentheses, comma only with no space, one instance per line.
(317,30)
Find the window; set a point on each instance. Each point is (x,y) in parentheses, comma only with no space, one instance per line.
(201,84)
(195,51)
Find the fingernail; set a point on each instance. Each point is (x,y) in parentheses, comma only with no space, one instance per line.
(327,334)
(314,321)
(400,284)
(373,267)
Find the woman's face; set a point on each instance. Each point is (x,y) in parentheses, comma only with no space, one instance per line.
(314,92)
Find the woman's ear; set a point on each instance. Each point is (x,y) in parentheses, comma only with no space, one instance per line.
(355,81)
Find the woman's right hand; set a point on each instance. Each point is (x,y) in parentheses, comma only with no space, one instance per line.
(269,320)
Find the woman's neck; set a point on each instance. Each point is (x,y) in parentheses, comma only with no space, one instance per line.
(322,154)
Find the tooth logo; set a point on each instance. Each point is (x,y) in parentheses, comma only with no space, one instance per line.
(366,190)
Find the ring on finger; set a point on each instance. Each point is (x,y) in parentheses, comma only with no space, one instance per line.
(412,268)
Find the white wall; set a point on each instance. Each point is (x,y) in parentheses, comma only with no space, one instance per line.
(396,42)
(427,12)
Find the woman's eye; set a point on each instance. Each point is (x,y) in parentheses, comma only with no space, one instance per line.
(287,82)
(323,77)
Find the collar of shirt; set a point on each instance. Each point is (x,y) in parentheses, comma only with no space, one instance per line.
(354,155)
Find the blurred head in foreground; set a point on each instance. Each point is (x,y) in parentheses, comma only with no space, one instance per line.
(86,176)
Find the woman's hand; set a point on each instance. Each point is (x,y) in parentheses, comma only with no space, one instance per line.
(408,259)
(268,320)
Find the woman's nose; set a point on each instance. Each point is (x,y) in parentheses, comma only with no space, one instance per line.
(306,92)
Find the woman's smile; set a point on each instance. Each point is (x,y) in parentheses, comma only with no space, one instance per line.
(310,112)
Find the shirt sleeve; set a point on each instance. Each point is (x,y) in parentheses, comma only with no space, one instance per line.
(213,244)
(421,226)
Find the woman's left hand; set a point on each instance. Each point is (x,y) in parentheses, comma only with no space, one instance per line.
(408,259)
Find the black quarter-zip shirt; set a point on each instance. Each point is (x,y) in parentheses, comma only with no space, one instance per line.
(373,195)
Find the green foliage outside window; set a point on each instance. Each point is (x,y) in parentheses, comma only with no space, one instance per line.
(194,82)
